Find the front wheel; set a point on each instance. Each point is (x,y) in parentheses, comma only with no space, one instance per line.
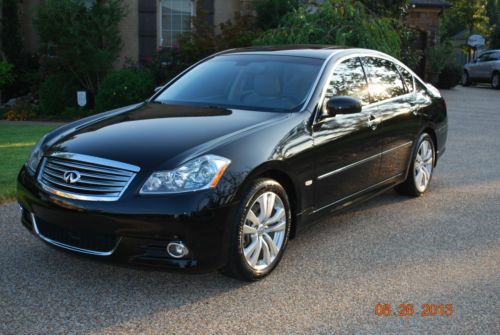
(495,80)
(260,231)
(466,79)
(421,168)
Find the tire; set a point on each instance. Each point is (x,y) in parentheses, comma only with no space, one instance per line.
(421,168)
(495,80)
(251,230)
(465,79)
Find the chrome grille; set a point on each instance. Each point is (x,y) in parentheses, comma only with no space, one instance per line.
(85,177)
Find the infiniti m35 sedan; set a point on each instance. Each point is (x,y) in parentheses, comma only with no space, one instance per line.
(233,157)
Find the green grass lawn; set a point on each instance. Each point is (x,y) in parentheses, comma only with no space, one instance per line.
(16,142)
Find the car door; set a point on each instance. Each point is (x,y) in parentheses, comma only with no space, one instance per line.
(472,68)
(347,147)
(478,70)
(493,64)
(392,91)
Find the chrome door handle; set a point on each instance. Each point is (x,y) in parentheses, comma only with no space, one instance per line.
(414,109)
(373,121)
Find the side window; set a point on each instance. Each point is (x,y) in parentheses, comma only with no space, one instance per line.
(407,78)
(348,79)
(384,79)
(484,57)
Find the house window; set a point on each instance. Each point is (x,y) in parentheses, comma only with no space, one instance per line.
(175,20)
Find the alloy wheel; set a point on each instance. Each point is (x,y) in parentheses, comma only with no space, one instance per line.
(264,231)
(424,163)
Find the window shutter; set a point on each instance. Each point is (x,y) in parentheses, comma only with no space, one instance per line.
(147,29)
(208,7)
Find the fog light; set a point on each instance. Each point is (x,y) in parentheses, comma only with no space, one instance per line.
(177,249)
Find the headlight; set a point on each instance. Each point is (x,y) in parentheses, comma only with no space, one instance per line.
(35,156)
(198,174)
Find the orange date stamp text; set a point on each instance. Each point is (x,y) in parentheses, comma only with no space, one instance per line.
(407,310)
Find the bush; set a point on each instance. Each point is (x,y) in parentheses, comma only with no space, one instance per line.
(201,42)
(166,64)
(26,76)
(270,12)
(57,93)
(124,87)
(21,111)
(337,22)
(495,37)
(450,76)
(6,74)
(82,39)
(10,32)
(436,58)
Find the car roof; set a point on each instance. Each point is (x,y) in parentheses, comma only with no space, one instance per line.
(299,50)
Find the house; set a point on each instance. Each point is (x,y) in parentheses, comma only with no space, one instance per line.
(149,24)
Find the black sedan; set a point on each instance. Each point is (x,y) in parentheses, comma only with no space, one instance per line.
(229,160)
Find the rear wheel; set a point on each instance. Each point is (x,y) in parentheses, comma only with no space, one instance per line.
(495,80)
(421,168)
(260,232)
(466,79)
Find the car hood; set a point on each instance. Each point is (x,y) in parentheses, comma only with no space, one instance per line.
(154,136)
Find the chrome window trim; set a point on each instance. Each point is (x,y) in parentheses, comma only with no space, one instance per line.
(364,160)
(70,247)
(364,53)
(86,159)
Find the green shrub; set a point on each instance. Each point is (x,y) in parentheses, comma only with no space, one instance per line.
(6,74)
(270,12)
(200,42)
(337,22)
(124,87)
(166,64)
(57,93)
(438,56)
(81,37)
(23,110)
(450,76)
(10,32)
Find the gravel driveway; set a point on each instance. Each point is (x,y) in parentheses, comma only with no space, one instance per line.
(443,248)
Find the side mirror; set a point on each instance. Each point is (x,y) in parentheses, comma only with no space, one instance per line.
(343,105)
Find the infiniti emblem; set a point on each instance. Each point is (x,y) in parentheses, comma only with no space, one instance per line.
(71,177)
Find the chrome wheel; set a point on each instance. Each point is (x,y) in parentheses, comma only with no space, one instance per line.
(264,231)
(424,163)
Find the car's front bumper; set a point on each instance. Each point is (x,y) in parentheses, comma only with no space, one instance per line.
(135,229)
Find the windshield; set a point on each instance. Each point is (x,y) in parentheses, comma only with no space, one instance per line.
(255,82)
